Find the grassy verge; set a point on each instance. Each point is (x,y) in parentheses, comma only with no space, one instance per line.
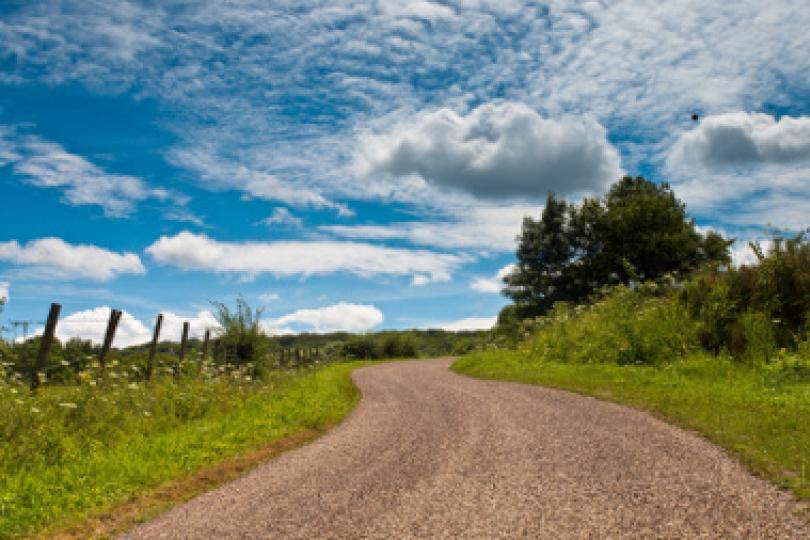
(759,414)
(72,458)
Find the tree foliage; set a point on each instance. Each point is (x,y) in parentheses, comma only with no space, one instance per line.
(638,231)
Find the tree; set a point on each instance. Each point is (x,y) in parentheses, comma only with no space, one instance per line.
(638,231)
(648,233)
(544,250)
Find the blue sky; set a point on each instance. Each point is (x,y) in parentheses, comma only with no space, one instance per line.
(366,165)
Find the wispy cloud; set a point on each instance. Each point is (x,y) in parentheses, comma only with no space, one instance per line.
(484,228)
(282,217)
(284,95)
(47,164)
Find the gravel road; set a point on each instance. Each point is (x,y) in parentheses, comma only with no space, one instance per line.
(430,454)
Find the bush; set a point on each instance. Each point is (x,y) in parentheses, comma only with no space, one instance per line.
(624,327)
(753,310)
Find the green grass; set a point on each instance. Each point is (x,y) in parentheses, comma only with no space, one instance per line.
(761,414)
(70,452)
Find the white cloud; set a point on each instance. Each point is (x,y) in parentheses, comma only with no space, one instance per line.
(4,288)
(198,252)
(172,328)
(57,258)
(420,280)
(420,9)
(48,164)
(498,150)
(755,164)
(92,324)
(470,323)
(217,172)
(282,216)
(268,298)
(490,228)
(742,254)
(494,284)
(742,138)
(341,317)
(640,67)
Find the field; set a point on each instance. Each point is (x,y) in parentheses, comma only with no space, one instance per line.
(70,454)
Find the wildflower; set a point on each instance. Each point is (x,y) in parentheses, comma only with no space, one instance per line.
(68,405)
(147,413)
(34,410)
(65,363)
(133,386)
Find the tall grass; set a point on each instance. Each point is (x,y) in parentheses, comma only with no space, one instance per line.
(70,451)
(645,326)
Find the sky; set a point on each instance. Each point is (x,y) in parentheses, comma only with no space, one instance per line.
(366,165)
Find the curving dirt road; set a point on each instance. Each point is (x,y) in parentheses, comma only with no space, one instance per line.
(431,454)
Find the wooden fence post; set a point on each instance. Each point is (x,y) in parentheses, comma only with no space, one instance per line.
(183,343)
(150,363)
(217,348)
(45,344)
(205,345)
(112,325)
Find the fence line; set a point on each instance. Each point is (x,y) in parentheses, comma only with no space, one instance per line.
(285,356)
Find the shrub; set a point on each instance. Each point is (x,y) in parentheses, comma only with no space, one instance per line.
(753,310)
(624,327)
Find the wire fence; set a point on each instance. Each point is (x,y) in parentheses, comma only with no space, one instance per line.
(212,348)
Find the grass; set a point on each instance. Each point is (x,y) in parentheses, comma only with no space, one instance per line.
(73,457)
(760,414)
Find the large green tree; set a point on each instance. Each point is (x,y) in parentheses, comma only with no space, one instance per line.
(639,230)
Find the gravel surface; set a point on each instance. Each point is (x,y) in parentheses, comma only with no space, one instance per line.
(430,454)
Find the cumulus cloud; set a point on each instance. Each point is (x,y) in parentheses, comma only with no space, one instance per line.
(496,151)
(282,216)
(341,317)
(494,284)
(743,138)
(91,325)
(756,164)
(57,258)
(47,164)
(199,252)
(470,323)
